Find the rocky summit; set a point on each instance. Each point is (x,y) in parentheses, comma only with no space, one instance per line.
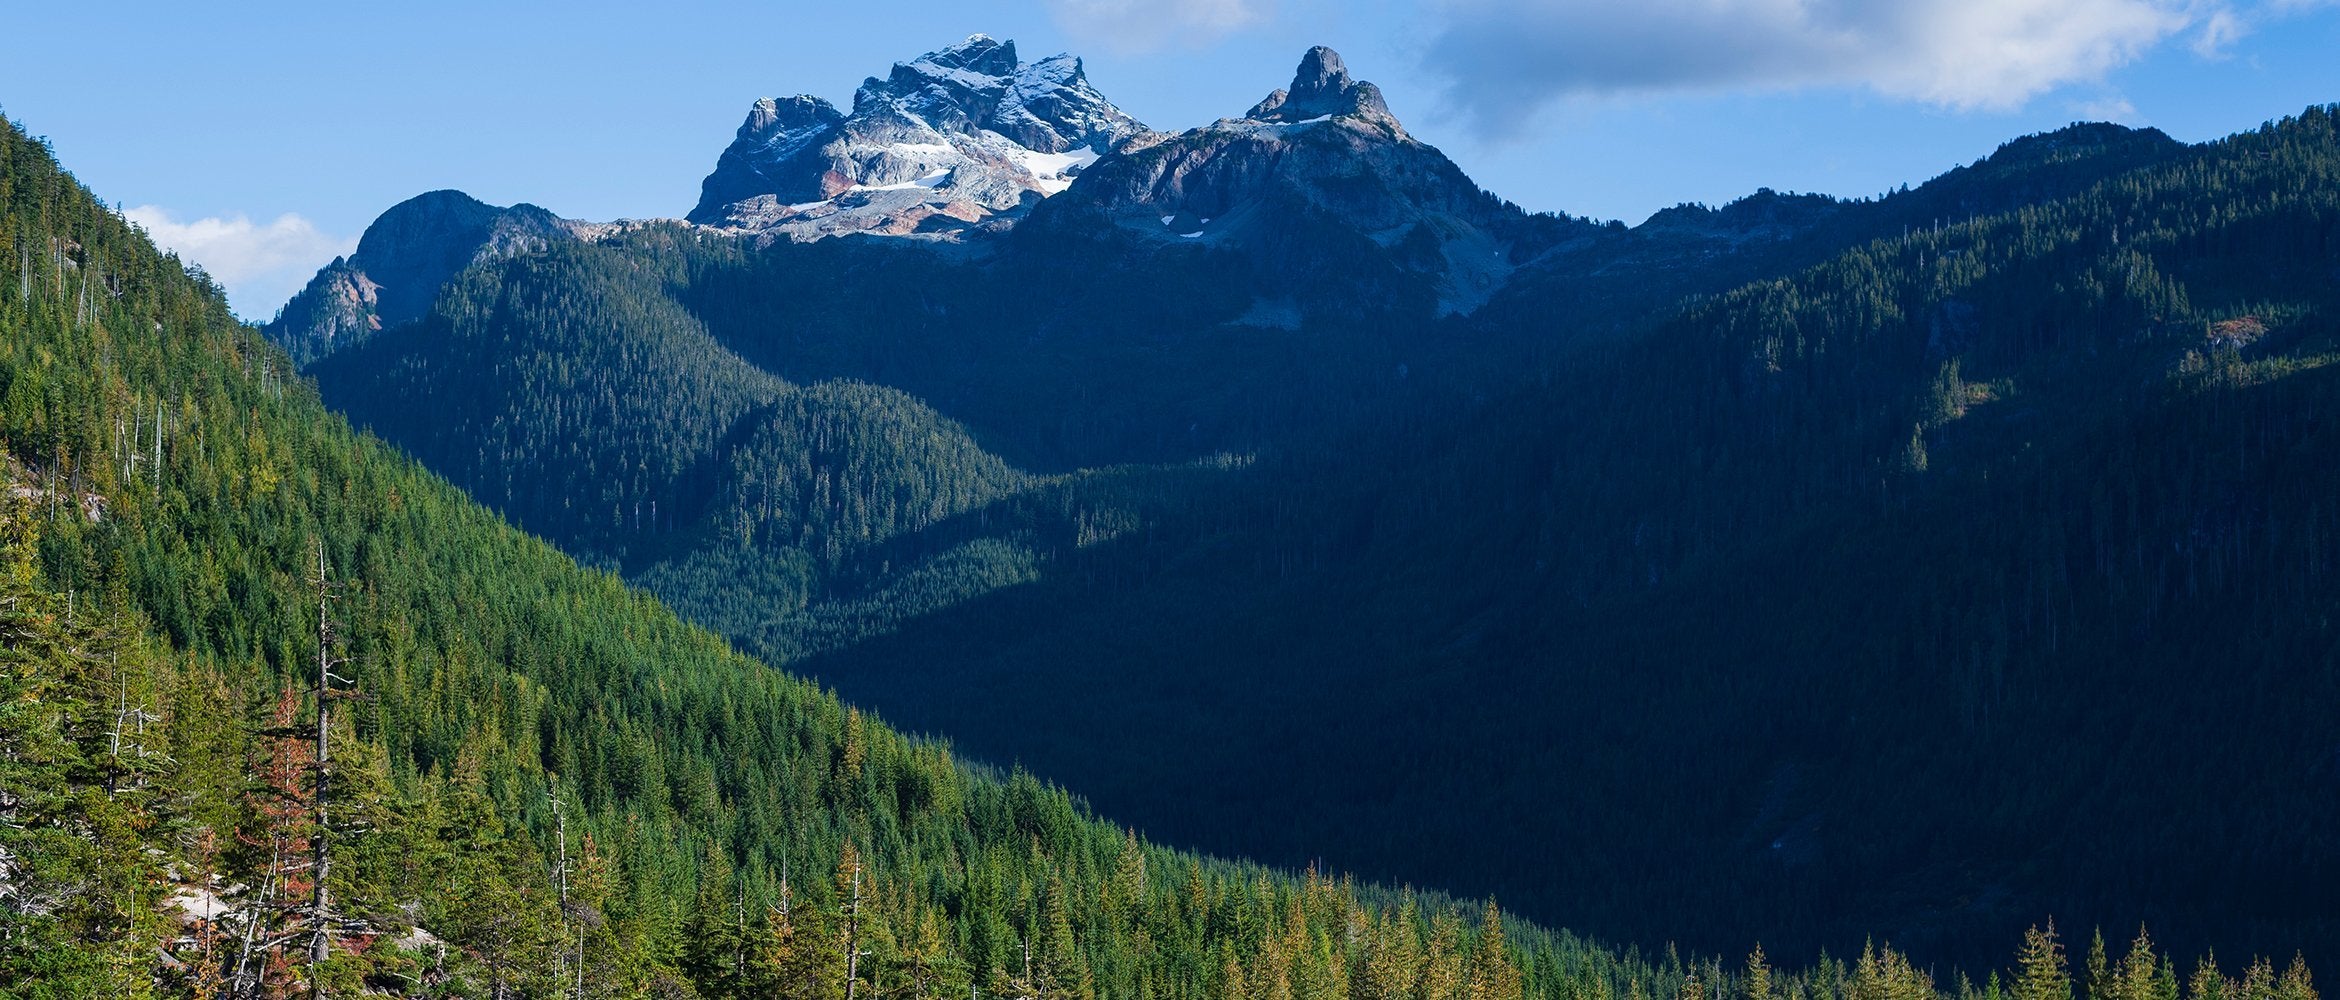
(401,262)
(1320,181)
(1322,89)
(957,138)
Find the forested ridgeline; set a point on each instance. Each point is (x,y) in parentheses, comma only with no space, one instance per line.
(1616,284)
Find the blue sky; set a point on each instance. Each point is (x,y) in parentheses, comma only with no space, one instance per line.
(261,137)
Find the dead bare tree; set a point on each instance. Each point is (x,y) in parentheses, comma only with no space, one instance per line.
(321,865)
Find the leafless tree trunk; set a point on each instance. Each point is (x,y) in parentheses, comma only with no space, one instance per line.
(321,865)
(853,935)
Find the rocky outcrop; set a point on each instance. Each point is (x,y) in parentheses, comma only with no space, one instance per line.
(963,136)
(402,261)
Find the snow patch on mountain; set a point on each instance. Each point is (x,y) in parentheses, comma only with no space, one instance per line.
(1055,171)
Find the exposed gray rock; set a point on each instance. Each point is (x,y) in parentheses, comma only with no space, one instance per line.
(401,262)
(943,143)
(1321,88)
(768,156)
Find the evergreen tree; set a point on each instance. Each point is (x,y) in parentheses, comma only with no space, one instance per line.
(714,936)
(1494,974)
(2040,970)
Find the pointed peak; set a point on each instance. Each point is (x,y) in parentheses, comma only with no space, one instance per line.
(1321,68)
(1058,63)
(1321,87)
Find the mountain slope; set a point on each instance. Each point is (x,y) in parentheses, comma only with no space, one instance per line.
(665,456)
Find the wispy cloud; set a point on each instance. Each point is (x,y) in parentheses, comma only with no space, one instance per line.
(260,264)
(1506,59)
(2219,30)
(1145,25)
(2109,108)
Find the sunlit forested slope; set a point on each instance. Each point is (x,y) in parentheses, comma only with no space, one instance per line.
(280,713)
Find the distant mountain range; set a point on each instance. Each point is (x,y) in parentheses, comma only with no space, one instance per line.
(1803,567)
(1318,188)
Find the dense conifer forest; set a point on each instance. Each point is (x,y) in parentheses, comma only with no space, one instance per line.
(1969,574)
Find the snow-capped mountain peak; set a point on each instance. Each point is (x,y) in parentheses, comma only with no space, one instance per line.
(957,137)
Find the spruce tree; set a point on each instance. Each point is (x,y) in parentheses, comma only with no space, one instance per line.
(1493,974)
(2040,970)
(714,952)
(1757,979)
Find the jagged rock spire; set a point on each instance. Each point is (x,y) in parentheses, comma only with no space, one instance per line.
(1321,88)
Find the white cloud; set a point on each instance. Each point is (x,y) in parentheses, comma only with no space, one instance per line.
(1507,58)
(2222,23)
(1144,25)
(2110,108)
(2219,31)
(260,265)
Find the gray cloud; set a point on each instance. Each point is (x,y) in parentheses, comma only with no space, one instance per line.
(1506,59)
